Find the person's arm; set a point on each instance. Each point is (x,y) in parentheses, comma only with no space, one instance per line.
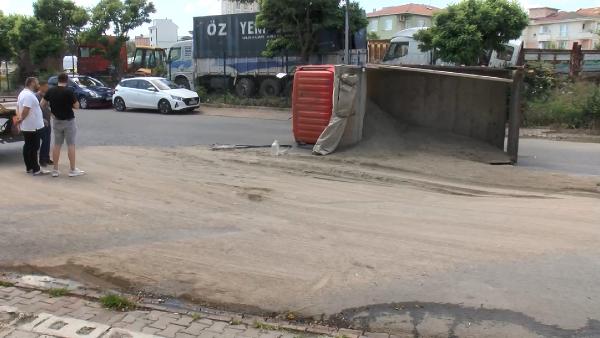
(75,101)
(44,103)
(24,113)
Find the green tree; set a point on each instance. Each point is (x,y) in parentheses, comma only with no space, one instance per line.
(465,31)
(297,23)
(62,18)
(373,36)
(120,17)
(6,25)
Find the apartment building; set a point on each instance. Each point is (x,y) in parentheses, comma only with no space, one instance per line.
(551,28)
(234,7)
(389,20)
(163,33)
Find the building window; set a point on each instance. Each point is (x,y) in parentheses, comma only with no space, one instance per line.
(544,30)
(373,26)
(388,24)
(421,23)
(84,52)
(563,44)
(564,31)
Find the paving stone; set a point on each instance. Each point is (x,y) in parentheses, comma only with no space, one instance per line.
(130,318)
(22,334)
(272,334)
(195,328)
(349,333)
(376,335)
(115,318)
(37,320)
(293,327)
(251,332)
(170,331)
(208,334)
(6,331)
(184,335)
(217,327)
(320,329)
(205,321)
(184,321)
(31,294)
(160,324)
(122,333)
(237,327)
(137,325)
(150,330)
(69,327)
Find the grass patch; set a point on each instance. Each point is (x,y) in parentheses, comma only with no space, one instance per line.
(117,303)
(196,316)
(264,326)
(6,284)
(236,322)
(568,105)
(57,292)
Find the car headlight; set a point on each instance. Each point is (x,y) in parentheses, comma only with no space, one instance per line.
(176,98)
(93,94)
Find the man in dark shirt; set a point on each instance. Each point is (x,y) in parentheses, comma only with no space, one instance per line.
(45,132)
(62,100)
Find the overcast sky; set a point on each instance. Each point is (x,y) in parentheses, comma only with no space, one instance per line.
(182,11)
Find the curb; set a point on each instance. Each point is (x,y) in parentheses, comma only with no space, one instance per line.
(224,105)
(217,315)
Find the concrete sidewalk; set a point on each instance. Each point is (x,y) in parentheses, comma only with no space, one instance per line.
(34,314)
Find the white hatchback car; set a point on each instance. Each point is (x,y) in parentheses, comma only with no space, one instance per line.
(154,93)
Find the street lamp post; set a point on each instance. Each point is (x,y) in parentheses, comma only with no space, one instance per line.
(347,46)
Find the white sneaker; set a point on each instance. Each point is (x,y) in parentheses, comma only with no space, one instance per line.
(76,172)
(55,173)
(41,172)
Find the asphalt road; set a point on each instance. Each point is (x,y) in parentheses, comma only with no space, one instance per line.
(148,128)
(548,283)
(570,157)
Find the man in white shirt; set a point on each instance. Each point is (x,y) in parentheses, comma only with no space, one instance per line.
(31,120)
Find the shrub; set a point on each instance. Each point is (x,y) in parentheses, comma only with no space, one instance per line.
(570,105)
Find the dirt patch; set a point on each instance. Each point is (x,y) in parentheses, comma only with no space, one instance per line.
(296,233)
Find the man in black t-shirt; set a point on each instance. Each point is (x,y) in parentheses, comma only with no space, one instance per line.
(62,100)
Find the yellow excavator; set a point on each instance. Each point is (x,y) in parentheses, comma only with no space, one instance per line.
(148,61)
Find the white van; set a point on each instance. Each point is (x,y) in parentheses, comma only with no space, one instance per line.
(70,64)
(404,50)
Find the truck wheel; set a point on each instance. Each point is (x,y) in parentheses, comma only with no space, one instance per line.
(245,87)
(164,107)
(270,88)
(182,81)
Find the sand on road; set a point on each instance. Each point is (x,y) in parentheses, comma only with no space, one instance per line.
(311,235)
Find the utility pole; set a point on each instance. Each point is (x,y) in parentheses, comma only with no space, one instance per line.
(347,47)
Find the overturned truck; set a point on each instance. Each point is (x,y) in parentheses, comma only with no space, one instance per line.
(379,108)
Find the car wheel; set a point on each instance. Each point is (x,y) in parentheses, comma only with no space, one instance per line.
(164,107)
(119,104)
(83,102)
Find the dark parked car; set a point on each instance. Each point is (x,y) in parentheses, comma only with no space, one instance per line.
(89,91)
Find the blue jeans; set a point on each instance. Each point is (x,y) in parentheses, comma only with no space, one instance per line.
(45,146)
